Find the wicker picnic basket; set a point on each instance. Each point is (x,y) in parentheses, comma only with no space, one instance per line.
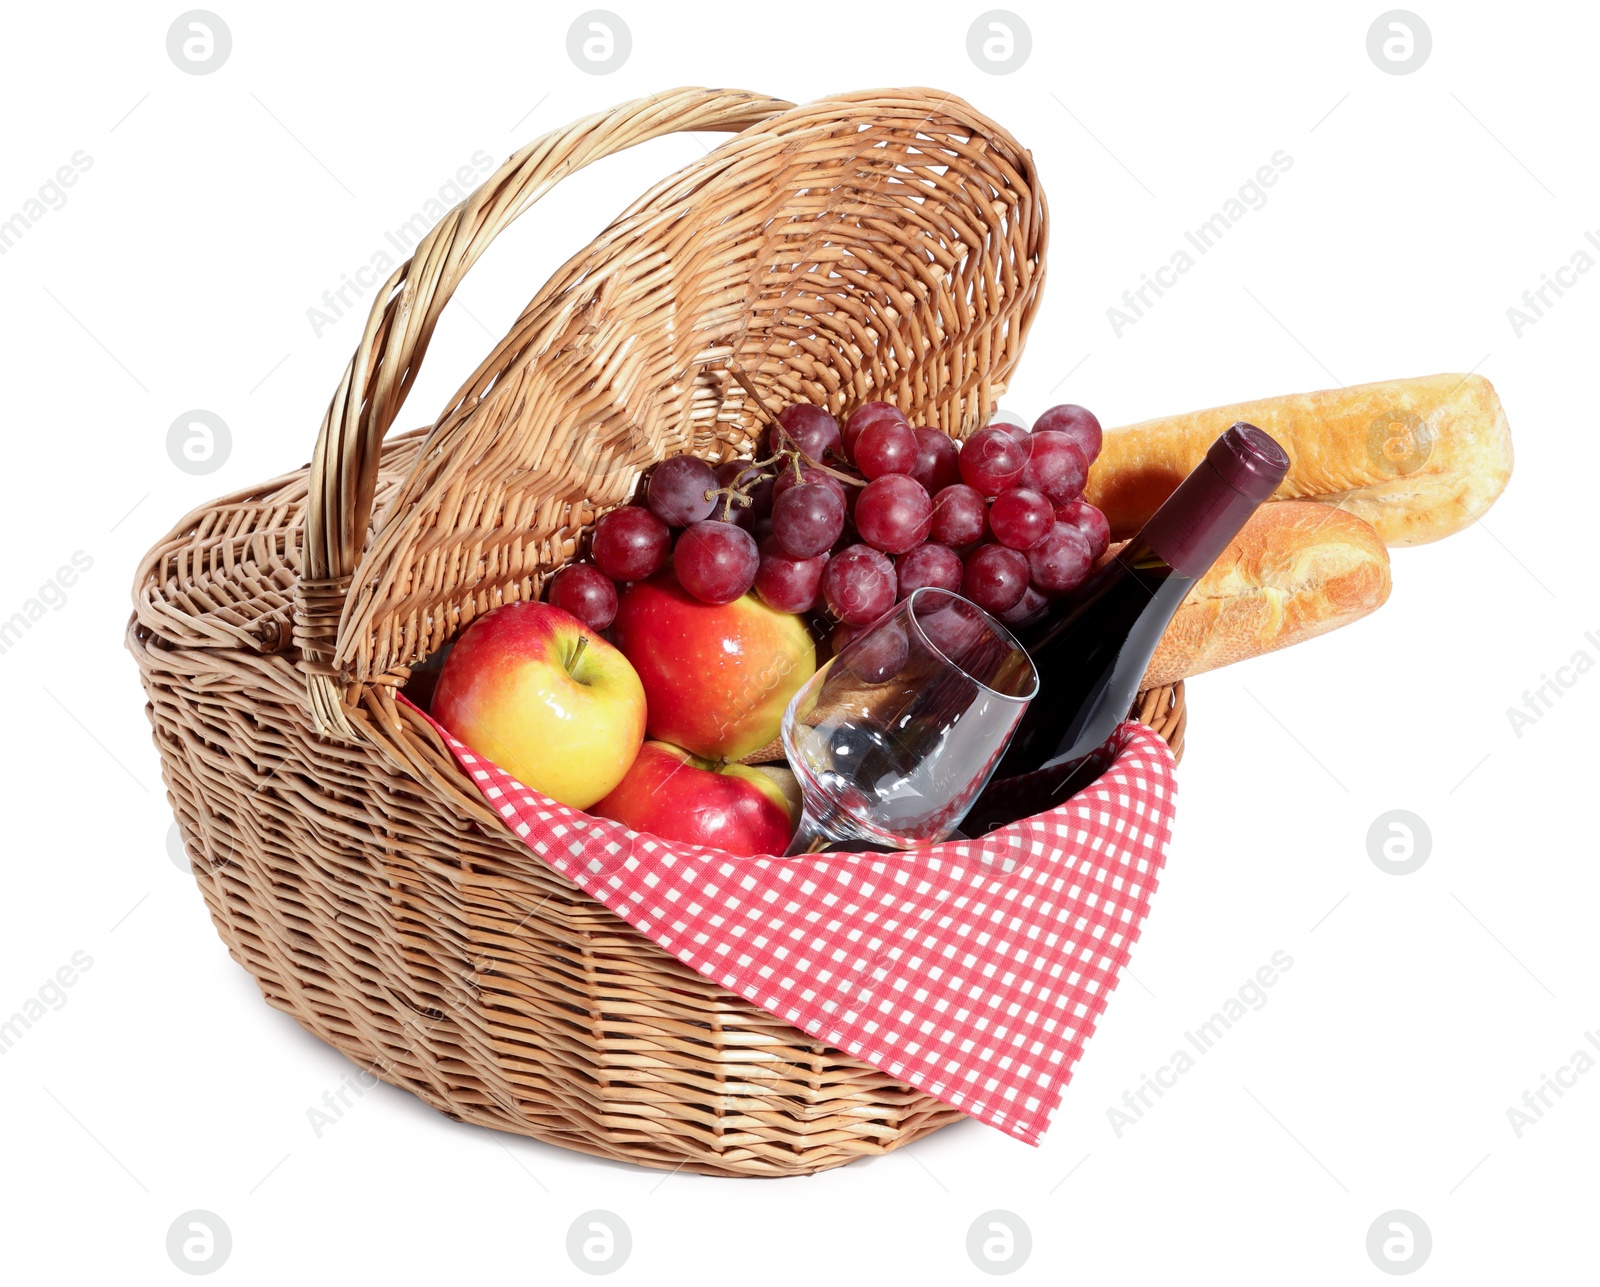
(884,244)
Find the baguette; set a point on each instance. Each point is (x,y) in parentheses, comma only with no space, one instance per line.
(1296,570)
(1418,459)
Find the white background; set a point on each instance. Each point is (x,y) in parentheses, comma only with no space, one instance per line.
(1419,1008)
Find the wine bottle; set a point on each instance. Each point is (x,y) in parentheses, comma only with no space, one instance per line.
(1093,645)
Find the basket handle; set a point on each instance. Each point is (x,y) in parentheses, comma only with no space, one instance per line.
(344,467)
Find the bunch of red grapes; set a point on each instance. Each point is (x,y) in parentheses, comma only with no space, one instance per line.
(852,520)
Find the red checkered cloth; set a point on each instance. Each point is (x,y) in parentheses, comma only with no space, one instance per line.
(972,970)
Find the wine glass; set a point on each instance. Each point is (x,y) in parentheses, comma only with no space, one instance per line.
(893,739)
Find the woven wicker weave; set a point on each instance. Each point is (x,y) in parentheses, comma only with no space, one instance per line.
(886,244)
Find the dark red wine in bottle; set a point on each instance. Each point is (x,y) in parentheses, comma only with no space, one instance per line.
(1092,647)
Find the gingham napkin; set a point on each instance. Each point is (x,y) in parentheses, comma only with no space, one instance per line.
(972,970)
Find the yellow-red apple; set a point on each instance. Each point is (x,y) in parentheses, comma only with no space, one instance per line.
(717,676)
(548,700)
(679,796)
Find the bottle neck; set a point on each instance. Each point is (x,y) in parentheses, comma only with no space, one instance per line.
(1195,524)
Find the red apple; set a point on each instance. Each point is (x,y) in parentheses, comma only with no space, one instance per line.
(717,675)
(548,700)
(679,796)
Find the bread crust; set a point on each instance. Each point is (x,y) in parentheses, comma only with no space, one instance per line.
(1296,570)
(1418,459)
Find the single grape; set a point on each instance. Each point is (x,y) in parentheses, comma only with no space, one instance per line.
(929,564)
(585,592)
(789,584)
(1061,559)
(1088,520)
(881,655)
(960,634)
(858,585)
(1019,517)
(1056,466)
(992,460)
(959,516)
(841,636)
(1028,609)
(811,429)
(807,519)
(867,413)
(715,562)
(886,447)
(677,490)
(630,544)
(808,474)
(995,577)
(1011,422)
(938,460)
(1078,423)
(893,513)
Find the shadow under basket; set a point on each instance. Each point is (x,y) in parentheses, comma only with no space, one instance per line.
(346,861)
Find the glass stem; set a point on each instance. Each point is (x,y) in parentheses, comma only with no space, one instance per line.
(809,837)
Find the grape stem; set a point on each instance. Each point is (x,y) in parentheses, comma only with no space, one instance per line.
(755,473)
(731,496)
